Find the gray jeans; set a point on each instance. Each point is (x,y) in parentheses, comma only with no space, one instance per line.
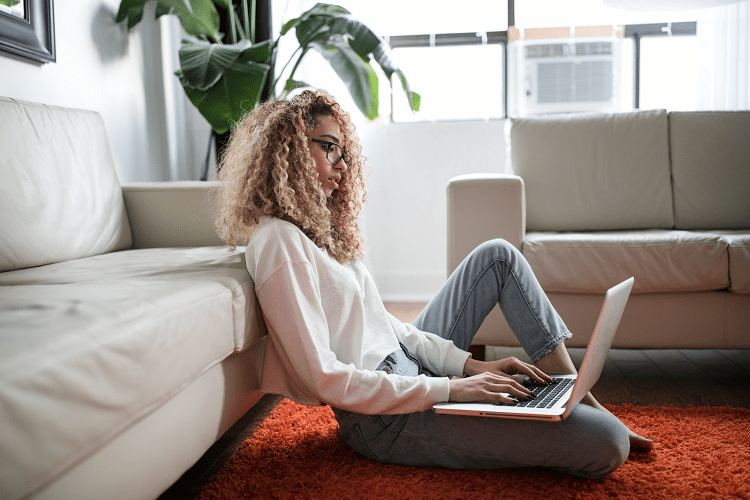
(589,443)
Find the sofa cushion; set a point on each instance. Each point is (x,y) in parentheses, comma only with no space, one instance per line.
(738,242)
(660,260)
(711,169)
(601,172)
(59,196)
(92,345)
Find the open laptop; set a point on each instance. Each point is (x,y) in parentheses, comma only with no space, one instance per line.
(569,389)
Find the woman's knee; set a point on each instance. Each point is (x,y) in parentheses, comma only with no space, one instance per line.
(611,445)
(495,249)
(612,455)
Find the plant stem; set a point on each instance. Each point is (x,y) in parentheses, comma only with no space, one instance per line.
(240,28)
(296,65)
(233,28)
(249,21)
(299,60)
(276,81)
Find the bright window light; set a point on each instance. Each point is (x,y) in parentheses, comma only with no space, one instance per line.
(455,82)
(417,17)
(553,13)
(670,73)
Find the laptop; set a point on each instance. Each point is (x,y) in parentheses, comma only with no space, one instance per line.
(569,389)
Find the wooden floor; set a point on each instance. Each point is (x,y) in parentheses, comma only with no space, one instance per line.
(642,377)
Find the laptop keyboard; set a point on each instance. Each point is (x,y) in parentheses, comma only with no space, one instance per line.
(545,396)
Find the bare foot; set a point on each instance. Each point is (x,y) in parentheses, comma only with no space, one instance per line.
(637,442)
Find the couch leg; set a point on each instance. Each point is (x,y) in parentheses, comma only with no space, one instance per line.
(477,352)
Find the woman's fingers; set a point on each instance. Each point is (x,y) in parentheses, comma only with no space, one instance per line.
(498,388)
(502,398)
(516,366)
(487,387)
(538,375)
(511,386)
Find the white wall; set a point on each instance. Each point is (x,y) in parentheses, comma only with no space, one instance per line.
(102,68)
(405,217)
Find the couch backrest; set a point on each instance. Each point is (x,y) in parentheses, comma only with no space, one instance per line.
(711,169)
(60,198)
(594,172)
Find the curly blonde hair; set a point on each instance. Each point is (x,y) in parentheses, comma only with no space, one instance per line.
(267,169)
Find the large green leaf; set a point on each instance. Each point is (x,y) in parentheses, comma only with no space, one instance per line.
(360,36)
(225,81)
(415,100)
(200,18)
(294,84)
(320,9)
(367,44)
(236,93)
(203,63)
(259,52)
(382,57)
(130,10)
(356,72)
(325,22)
(313,28)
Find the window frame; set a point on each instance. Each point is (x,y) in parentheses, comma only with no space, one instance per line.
(458,39)
(638,31)
(634,31)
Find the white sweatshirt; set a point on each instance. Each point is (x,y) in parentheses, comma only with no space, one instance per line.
(328,330)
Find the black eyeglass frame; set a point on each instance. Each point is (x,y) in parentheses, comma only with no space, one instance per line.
(346,156)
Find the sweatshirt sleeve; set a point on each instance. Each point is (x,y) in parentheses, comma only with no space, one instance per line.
(290,298)
(437,354)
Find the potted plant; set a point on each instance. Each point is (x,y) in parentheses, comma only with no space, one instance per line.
(224,74)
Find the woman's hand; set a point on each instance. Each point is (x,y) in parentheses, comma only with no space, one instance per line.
(494,381)
(488,388)
(507,367)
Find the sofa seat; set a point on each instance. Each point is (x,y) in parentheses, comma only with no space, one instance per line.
(92,345)
(660,260)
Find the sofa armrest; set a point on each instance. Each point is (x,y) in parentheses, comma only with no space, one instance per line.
(482,207)
(170,214)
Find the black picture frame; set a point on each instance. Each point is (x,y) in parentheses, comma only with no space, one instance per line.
(32,37)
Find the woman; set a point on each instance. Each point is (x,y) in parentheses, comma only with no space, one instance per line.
(292,187)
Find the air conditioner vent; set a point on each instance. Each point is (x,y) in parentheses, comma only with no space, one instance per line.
(547,51)
(583,81)
(593,49)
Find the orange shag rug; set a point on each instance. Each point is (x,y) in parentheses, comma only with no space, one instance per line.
(700,452)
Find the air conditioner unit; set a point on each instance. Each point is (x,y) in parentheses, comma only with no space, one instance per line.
(570,76)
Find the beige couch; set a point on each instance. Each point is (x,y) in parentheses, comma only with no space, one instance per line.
(129,339)
(663,197)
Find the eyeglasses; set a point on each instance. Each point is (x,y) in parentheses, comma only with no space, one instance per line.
(334,152)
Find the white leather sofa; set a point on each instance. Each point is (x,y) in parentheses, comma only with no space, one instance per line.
(130,338)
(663,197)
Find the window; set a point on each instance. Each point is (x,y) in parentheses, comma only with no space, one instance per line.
(666,66)
(488,59)
(607,59)
(453,55)
(456,82)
